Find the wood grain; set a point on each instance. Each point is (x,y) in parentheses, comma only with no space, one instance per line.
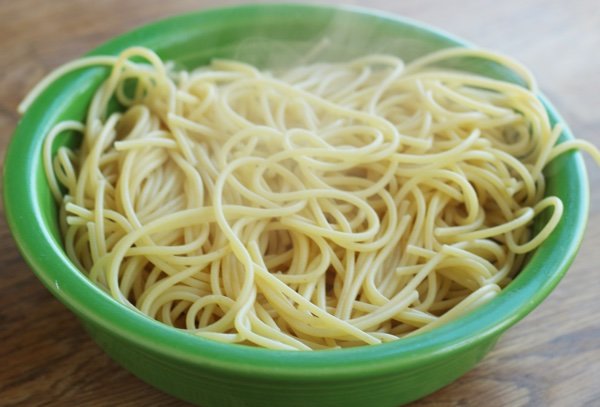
(552,358)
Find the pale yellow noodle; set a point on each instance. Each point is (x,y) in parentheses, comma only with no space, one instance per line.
(330,205)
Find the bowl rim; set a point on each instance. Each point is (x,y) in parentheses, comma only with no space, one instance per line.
(46,258)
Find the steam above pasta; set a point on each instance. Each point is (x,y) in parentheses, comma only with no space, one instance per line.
(330,205)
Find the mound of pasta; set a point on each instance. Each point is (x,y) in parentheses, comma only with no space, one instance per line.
(329,205)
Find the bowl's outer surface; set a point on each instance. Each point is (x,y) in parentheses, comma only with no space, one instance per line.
(215,374)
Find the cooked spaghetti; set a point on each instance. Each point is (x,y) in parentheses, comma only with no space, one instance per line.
(330,205)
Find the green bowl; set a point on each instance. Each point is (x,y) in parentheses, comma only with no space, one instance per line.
(216,374)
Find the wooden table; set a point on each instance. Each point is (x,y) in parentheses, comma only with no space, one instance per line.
(550,358)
